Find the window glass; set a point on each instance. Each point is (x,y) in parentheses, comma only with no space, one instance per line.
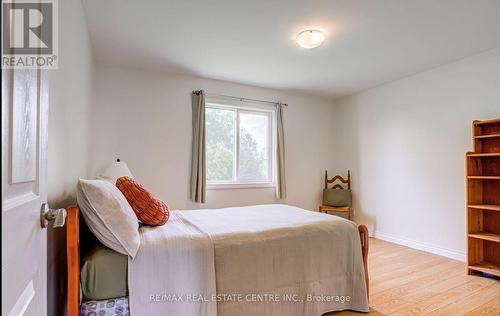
(253,146)
(239,143)
(220,144)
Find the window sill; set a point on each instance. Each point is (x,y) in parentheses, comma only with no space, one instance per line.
(225,186)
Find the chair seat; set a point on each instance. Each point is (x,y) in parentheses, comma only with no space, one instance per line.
(340,209)
(326,208)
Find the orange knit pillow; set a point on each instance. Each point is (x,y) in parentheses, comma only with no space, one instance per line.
(149,210)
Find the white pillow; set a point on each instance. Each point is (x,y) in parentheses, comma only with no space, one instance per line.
(109,216)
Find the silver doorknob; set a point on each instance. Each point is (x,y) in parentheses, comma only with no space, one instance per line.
(47,215)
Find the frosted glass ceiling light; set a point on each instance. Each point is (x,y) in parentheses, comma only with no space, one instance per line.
(310,38)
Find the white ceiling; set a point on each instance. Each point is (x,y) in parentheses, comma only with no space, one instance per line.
(368,42)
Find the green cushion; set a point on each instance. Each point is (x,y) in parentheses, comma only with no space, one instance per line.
(104,274)
(337,197)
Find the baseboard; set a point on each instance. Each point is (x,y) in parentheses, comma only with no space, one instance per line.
(441,251)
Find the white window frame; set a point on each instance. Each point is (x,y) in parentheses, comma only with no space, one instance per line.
(242,107)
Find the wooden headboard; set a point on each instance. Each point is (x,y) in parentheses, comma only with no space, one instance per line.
(73,259)
(79,241)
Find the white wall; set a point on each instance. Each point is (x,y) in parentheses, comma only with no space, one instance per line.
(144,118)
(405,143)
(70,98)
(70,105)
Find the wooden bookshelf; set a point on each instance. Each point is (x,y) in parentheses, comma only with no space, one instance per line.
(483,199)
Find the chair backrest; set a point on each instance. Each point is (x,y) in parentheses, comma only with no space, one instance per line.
(340,178)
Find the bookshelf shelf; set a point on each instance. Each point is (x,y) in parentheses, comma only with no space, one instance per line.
(488,207)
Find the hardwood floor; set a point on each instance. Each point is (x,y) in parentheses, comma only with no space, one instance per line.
(405,281)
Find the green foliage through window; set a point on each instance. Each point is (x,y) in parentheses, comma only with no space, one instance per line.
(220,142)
(253,142)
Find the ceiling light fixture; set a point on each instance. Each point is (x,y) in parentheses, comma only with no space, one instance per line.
(310,38)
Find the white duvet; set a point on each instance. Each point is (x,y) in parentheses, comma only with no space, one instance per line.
(257,260)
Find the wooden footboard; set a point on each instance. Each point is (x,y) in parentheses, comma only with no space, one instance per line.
(363,234)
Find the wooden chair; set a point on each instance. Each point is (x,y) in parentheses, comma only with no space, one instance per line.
(343,209)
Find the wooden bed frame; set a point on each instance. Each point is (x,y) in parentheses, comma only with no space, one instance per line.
(73,246)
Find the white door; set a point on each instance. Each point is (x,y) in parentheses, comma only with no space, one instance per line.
(24,180)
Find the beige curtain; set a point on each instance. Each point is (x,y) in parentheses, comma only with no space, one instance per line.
(280,154)
(198,168)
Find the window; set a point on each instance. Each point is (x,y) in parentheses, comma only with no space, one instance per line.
(239,145)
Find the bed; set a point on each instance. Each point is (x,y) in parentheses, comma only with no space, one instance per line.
(264,259)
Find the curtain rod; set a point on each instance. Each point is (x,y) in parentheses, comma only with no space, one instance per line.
(238,98)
